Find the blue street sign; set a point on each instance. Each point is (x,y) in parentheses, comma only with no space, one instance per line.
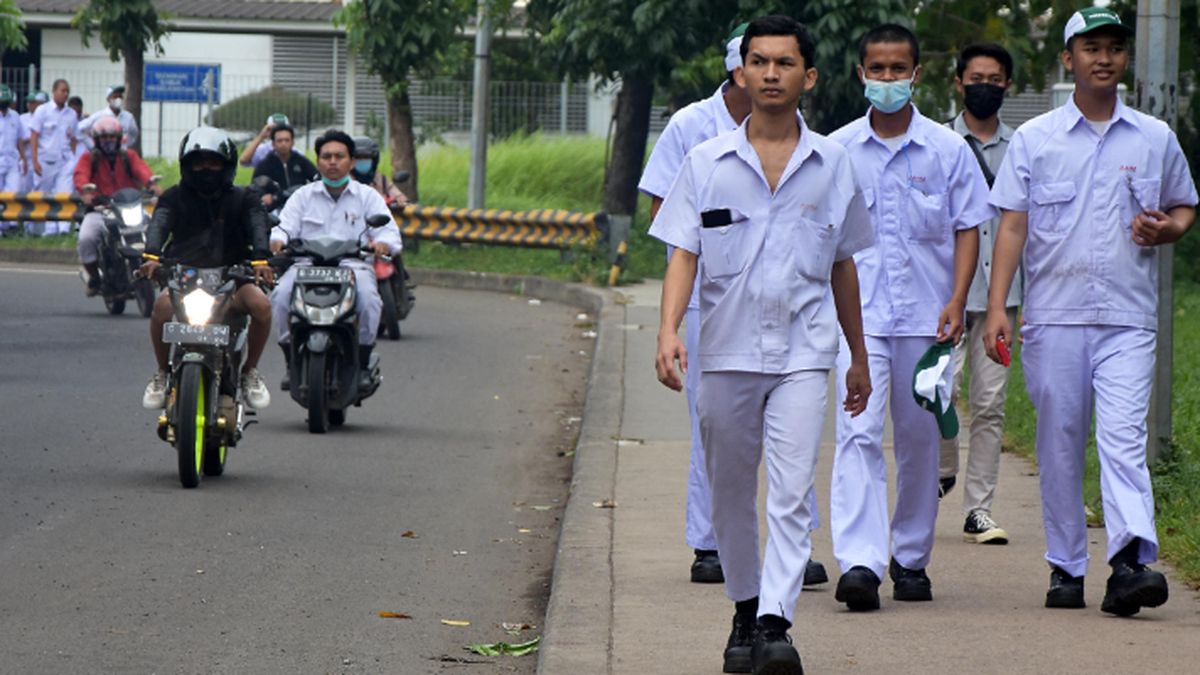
(181,82)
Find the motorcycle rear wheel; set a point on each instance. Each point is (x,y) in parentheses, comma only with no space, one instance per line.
(317,400)
(389,322)
(143,291)
(114,306)
(191,420)
(337,417)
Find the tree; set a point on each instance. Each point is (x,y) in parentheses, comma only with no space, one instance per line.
(12,27)
(397,38)
(127,28)
(635,42)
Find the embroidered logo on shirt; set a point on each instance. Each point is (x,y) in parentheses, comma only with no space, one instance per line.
(1132,168)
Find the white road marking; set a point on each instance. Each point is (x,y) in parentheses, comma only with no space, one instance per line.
(35,270)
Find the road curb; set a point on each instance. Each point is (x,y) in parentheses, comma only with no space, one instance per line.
(577,635)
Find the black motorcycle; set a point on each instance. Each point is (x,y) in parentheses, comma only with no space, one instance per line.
(204,415)
(125,222)
(324,362)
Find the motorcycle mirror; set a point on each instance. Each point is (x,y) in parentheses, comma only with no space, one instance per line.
(378,220)
(273,217)
(401,177)
(265,183)
(155,179)
(88,187)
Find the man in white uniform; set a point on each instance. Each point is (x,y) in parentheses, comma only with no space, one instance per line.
(115,108)
(338,206)
(52,135)
(11,162)
(773,214)
(926,195)
(28,177)
(720,113)
(984,75)
(1088,191)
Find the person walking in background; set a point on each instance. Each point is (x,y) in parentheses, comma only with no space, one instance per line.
(720,113)
(81,145)
(771,215)
(12,164)
(52,134)
(1088,192)
(115,96)
(984,74)
(927,196)
(28,177)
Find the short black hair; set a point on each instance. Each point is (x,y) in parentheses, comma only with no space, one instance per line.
(889,32)
(75,100)
(988,49)
(58,82)
(283,127)
(777,24)
(337,136)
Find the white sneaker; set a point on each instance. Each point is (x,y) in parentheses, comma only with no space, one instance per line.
(156,392)
(254,390)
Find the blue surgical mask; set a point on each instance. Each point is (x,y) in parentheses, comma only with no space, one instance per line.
(888,97)
(336,183)
(363,166)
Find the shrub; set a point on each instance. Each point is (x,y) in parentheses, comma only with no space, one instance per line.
(250,111)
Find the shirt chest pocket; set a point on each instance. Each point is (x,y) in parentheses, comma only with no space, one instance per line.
(725,250)
(1049,207)
(929,216)
(1139,194)
(813,246)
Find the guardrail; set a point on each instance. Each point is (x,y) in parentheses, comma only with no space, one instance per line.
(40,206)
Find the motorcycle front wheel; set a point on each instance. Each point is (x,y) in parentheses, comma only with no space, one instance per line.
(114,306)
(317,400)
(191,418)
(143,291)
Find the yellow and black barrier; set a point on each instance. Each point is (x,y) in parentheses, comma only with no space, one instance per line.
(40,206)
(542,228)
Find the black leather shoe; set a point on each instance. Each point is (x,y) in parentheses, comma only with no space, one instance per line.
(945,485)
(1066,591)
(741,641)
(773,653)
(1132,587)
(858,587)
(909,585)
(706,568)
(814,573)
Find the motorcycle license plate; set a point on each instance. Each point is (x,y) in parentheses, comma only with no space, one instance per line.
(185,334)
(324,275)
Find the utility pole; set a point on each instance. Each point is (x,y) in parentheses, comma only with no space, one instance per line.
(480,108)
(1156,93)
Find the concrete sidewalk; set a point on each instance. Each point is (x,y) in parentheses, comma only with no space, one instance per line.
(622,602)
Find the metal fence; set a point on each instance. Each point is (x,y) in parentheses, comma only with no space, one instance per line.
(244,102)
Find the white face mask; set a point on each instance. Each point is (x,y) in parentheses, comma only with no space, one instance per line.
(116,103)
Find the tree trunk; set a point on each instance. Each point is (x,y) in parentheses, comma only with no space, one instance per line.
(401,139)
(629,145)
(134,61)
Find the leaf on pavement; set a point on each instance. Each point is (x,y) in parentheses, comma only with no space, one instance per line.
(394,615)
(455,622)
(606,504)
(505,648)
(515,628)
(409,534)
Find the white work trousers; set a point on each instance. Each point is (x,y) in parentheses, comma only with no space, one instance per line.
(56,177)
(858,511)
(10,181)
(744,417)
(368,304)
(988,389)
(1068,369)
(90,232)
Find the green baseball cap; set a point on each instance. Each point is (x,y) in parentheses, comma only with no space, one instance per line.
(37,97)
(6,94)
(1089,19)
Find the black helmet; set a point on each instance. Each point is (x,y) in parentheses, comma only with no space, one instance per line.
(211,141)
(365,147)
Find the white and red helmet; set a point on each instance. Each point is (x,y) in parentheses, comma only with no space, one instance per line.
(107,126)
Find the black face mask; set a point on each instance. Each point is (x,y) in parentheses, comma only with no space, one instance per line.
(207,183)
(983,100)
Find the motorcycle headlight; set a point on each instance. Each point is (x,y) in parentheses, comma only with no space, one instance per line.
(198,306)
(131,216)
(326,316)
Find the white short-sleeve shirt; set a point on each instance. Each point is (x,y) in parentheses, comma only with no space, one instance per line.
(56,130)
(10,133)
(919,195)
(690,126)
(312,212)
(1082,191)
(766,259)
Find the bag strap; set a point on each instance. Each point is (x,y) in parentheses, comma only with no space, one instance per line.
(987,171)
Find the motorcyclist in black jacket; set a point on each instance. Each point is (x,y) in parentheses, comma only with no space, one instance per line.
(206,221)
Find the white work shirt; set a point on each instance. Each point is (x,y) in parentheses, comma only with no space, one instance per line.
(765,300)
(993,153)
(1081,191)
(919,195)
(690,126)
(129,126)
(56,129)
(312,212)
(10,133)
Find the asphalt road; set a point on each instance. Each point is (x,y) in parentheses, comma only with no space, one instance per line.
(283,564)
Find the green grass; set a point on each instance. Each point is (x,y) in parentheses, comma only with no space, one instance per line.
(1176,477)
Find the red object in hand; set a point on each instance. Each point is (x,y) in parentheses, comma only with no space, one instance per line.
(1002,348)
